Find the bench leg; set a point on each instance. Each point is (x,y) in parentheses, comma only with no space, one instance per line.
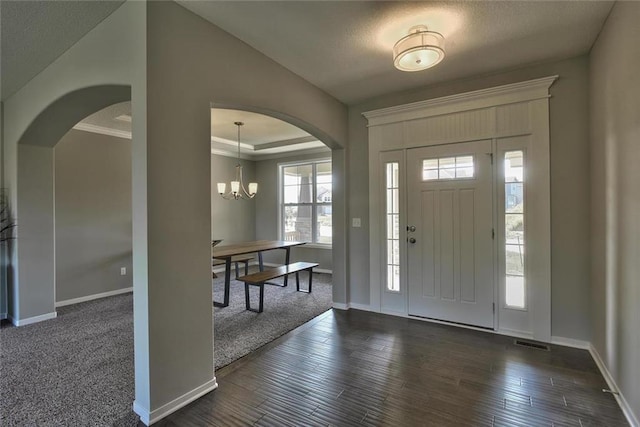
(308,291)
(246,298)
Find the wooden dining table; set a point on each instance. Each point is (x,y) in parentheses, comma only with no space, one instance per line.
(226,252)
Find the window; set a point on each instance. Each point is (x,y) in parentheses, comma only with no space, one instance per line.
(515,295)
(393,227)
(306,202)
(447,168)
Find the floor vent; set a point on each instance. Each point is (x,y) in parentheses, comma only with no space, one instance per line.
(530,344)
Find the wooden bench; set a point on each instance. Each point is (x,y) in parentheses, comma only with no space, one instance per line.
(260,278)
(236,260)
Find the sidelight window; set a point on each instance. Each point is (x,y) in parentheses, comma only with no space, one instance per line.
(514,221)
(393,226)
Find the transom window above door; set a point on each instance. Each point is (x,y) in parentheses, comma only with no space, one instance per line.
(459,167)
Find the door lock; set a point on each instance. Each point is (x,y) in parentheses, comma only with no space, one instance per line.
(412,240)
(411,228)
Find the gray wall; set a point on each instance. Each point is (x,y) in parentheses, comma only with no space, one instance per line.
(267,212)
(615,198)
(37,291)
(569,185)
(232,220)
(191,65)
(92,214)
(4,255)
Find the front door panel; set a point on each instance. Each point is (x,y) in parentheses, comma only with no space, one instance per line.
(450,253)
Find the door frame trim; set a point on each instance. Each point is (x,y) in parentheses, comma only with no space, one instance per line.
(504,111)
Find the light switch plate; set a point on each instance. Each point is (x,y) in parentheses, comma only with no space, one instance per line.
(355,222)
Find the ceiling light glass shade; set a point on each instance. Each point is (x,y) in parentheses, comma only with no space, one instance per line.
(420,50)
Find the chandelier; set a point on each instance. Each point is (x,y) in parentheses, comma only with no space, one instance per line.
(419,50)
(238,190)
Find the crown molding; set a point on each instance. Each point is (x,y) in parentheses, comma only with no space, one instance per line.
(102,130)
(483,98)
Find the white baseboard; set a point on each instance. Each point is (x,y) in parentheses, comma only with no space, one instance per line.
(622,402)
(93,297)
(156,415)
(356,306)
(3,316)
(514,333)
(570,342)
(34,319)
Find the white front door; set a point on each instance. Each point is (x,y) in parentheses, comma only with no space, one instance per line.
(450,251)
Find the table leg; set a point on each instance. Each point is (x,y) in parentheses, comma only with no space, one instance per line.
(260,263)
(227,284)
(286,262)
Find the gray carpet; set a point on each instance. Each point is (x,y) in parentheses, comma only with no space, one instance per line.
(284,309)
(77,370)
(73,370)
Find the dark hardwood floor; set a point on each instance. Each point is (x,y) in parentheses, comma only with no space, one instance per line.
(359,368)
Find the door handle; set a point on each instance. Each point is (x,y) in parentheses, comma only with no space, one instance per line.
(412,240)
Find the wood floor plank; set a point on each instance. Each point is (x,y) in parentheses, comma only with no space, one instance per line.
(358,368)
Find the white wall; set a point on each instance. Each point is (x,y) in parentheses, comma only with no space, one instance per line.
(615,198)
(92,214)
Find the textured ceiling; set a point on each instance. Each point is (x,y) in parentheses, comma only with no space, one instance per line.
(344,47)
(34,33)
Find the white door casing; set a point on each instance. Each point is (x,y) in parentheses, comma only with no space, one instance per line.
(450,253)
(510,116)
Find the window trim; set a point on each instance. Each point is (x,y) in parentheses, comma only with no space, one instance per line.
(314,204)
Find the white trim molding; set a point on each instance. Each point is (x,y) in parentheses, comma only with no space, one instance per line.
(357,306)
(152,417)
(513,117)
(34,319)
(571,342)
(501,95)
(3,316)
(102,130)
(340,306)
(349,306)
(622,402)
(93,297)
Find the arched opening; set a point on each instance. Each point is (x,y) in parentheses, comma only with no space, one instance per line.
(293,204)
(74,213)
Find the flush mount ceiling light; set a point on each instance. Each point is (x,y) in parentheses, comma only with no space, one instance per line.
(419,50)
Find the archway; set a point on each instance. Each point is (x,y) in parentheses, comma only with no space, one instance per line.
(34,282)
(275,154)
